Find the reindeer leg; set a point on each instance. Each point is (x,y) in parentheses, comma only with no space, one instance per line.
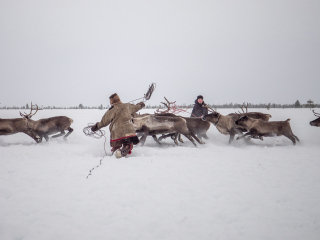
(143,138)
(46,137)
(59,135)
(231,137)
(196,138)
(204,135)
(175,138)
(167,135)
(156,139)
(295,137)
(70,131)
(190,138)
(244,135)
(291,137)
(179,138)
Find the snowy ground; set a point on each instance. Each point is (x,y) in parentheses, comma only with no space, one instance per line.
(247,190)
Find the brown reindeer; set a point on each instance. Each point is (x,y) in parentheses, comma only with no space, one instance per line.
(195,125)
(157,124)
(259,128)
(17,125)
(47,126)
(316,122)
(225,124)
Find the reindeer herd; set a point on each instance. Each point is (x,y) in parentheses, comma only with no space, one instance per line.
(254,125)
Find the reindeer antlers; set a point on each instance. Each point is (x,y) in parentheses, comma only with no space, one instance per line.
(316,114)
(244,106)
(28,116)
(210,109)
(168,105)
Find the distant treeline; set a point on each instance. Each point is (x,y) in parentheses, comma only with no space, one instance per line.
(309,104)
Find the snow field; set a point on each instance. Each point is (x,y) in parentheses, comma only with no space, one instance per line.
(248,190)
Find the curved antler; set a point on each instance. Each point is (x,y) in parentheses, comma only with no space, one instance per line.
(316,114)
(210,109)
(28,116)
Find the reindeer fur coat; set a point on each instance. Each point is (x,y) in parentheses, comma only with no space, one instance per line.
(119,118)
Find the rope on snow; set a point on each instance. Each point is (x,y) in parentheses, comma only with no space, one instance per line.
(97,134)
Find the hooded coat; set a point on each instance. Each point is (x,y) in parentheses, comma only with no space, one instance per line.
(121,126)
(199,109)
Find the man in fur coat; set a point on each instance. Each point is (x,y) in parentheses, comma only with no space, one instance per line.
(199,108)
(122,132)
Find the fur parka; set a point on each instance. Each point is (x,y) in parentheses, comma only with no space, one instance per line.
(119,118)
(199,109)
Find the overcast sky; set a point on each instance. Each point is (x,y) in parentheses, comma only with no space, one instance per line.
(64,53)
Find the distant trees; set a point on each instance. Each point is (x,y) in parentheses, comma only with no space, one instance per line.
(297,104)
(310,104)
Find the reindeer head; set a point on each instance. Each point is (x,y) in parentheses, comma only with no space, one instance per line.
(316,122)
(28,116)
(211,117)
(243,121)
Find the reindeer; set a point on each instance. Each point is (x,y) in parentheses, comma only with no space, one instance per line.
(17,125)
(316,122)
(195,125)
(225,124)
(162,124)
(48,126)
(259,129)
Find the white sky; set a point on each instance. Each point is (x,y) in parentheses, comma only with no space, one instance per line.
(64,53)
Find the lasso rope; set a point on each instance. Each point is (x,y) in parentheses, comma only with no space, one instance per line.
(147,96)
(97,134)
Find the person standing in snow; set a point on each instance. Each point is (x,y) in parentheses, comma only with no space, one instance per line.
(122,133)
(199,108)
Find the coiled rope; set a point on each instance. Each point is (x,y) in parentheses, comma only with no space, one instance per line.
(97,134)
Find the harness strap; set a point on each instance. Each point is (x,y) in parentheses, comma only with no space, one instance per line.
(215,124)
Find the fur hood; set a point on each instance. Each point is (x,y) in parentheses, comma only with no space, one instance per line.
(114,98)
